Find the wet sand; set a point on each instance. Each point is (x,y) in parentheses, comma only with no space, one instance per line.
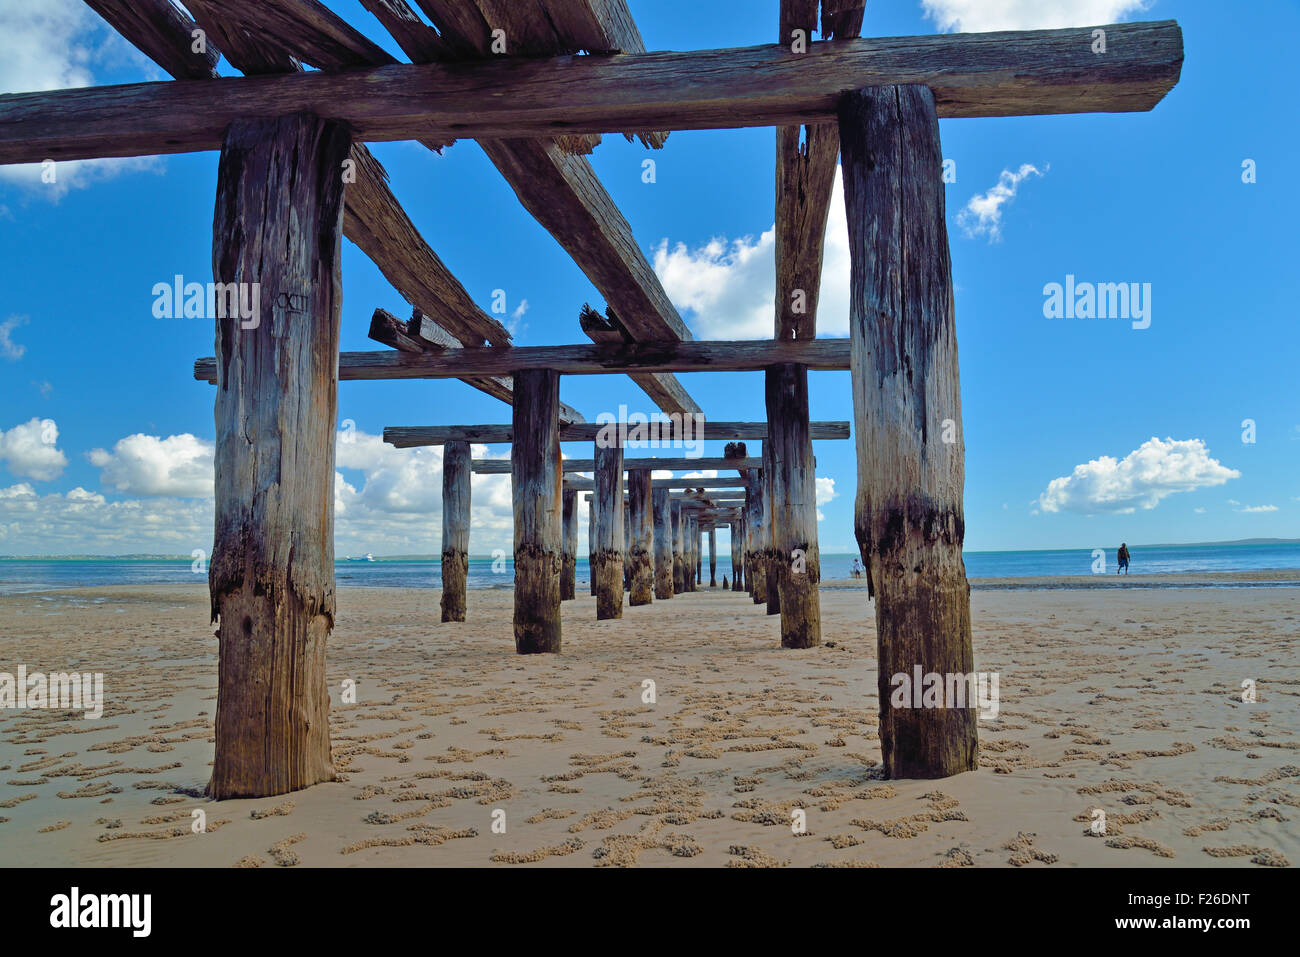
(1123,700)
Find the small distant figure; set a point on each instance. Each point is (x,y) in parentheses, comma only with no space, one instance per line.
(1123,558)
(857,569)
(724,582)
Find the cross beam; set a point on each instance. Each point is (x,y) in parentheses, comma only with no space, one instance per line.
(412,436)
(706,356)
(970,74)
(587,485)
(502,466)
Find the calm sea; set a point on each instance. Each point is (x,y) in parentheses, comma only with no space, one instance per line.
(18,576)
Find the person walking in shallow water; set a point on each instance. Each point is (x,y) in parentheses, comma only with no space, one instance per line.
(1123,557)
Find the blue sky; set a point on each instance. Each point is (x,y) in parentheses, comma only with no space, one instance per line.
(1060,414)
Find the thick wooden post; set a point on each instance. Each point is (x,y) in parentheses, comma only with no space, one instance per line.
(697,550)
(607,560)
(679,543)
(661,502)
(569,548)
(796,560)
(535,486)
(276,229)
(772,561)
(713,556)
(737,552)
(641,534)
(591,539)
(909,517)
(755,563)
(692,546)
(625,510)
(455,529)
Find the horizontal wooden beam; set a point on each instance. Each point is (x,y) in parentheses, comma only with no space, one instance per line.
(502,466)
(706,356)
(412,436)
(970,74)
(580,484)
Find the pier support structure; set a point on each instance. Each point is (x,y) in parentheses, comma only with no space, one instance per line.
(535,465)
(909,516)
(607,559)
(455,529)
(277,224)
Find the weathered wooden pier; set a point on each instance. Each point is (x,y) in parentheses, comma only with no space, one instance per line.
(536,84)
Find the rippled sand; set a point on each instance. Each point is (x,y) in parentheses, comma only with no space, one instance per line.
(1126,701)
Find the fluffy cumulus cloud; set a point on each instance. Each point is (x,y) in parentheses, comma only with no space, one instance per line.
(156,496)
(31,450)
(389,501)
(727,287)
(1157,469)
(53,45)
(982,214)
(84,522)
(179,465)
(982,16)
(825,492)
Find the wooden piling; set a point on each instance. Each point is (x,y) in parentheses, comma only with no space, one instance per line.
(535,466)
(796,559)
(278,221)
(772,561)
(909,515)
(625,510)
(755,562)
(455,529)
(591,540)
(641,534)
(697,549)
(569,547)
(679,545)
(607,559)
(737,552)
(713,556)
(661,504)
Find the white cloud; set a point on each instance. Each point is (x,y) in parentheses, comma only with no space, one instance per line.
(31,450)
(1249,509)
(982,214)
(1199,511)
(8,348)
(388,502)
(55,45)
(1157,469)
(727,287)
(825,490)
(177,466)
(84,522)
(982,16)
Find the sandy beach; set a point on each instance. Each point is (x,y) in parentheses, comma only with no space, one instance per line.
(1118,698)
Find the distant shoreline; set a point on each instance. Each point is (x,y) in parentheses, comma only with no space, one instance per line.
(145,557)
(1277,578)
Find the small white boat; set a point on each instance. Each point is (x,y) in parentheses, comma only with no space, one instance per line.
(368,558)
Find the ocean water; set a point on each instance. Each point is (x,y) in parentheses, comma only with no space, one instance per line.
(22,575)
